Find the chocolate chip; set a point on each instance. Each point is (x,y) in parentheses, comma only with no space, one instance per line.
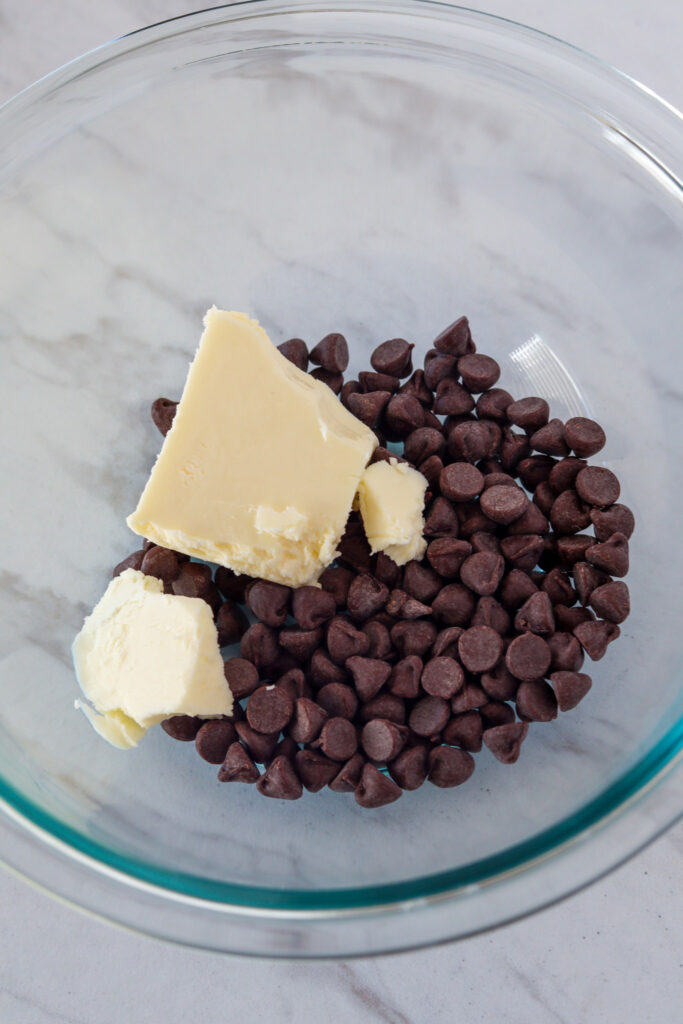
(456,339)
(478,372)
(231,623)
(564,473)
(369,407)
(296,351)
(513,450)
(616,519)
(585,437)
(442,677)
(544,496)
(586,579)
(338,700)
(163,413)
(480,648)
(315,770)
(301,643)
(483,541)
(516,587)
(441,520)
(505,741)
(334,381)
(550,439)
(557,585)
(421,582)
(570,688)
(503,504)
(567,618)
(529,413)
(369,675)
(610,555)
(452,399)
(336,581)
(213,739)
(182,727)
(312,606)
(490,612)
(280,781)
(496,712)
(597,486)
(446,555)
(417,637)
(409,769)
(307,720)
(380,641)
(534,469)
(446,643)
(474,440)
(378,382)
(566,653)
(332,353)
(403,414)
(417,387)
(231,585)
(383,740)
(366,596)
(402,606)
(468,698)
(528,657)
(482,572)
(536,702)
(344,640)
(293,681)
(268,601)
(381,454)
(375,789)
(568,513)
(346,780)
(338,739)
(461,481)
(133,561)
(536,615)
(161,563)
(260,745)
(241,676)
(238,766)
(464,731)
(573,549)
(428,716)
(349,387)
(594,637)
(393,357)
(499,683)
(422,443)
(611,601)
(404,680)
(454,606)
(322,670)
(385,705)
(259,645)
(269,709)
(449,766)
(354,548)
(493,404)
(523,551)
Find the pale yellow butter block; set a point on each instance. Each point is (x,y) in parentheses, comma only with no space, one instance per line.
(259,470)
(143,656)
(391,497)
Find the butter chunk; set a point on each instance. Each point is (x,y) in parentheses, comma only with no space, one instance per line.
(391,498)
(259,470)
(143,656)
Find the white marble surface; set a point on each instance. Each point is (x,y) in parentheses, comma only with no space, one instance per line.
(611,954)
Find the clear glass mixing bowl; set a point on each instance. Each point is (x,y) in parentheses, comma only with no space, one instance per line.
(377,171)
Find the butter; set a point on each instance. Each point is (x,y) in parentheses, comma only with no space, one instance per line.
(391,499)
(259,470)
(143,656)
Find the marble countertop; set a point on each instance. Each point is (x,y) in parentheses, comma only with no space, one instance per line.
(610,954)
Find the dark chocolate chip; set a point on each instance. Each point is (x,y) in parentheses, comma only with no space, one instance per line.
(480,648)
(544,496)
(503,504)
(315,770)
(344,640)
(446,555)
(402,606)
(346,780)
(241,676)
(516,588)
(478,372)
(162,563)
(403,414)
(378,382)
(610,555)
(307,720)
(259,645)
(369,407)
(421,582)
(594,637)
(586,579)
(566,652)
(428,716)
(366,596)
(438,368)
(482,572)
(499,683)
(238,766)
(528,657)
(615,519)
(523,551)
(564,473)
(570,688)
(567,618)
(597,486)
(354,548)
(505,741)
(536,702)
(449,766)
(611,601)
(496,712)
(383,740)
(338,739)
(415,637)
(534,469)
(493,404)
(529,413)
(464,730)
(446,643)
(293,681)
(338,700)
(163,413)
(260,745)
(461,481)
(269,709)
(585,437)
(375,789)
(332,353)
(322,670)
(513,450)
(409,769)
(336,581)
(393,357)
(231,623)
(456,339)
(385,705)
(441,520)
(334,381)
(569,514)
(557,585)
(454,606)
(301,643)
(182,727)
(405,677)
(312,606)
(573,549)
(422,443)
(442,677)
(467,699)
(369,675)
(380,641)
(349,387)
(536,615)
(550,439)
(473,440)
(296,351)
(231,585)
(417,386)
(213,739)
(133,561)
(452,399)
(490,612)
(280,780)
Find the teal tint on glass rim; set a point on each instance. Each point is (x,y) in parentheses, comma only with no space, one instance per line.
(375,171)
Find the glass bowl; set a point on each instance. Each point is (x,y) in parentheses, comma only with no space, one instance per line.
(377,171)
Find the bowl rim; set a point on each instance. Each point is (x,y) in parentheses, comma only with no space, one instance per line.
(657,769)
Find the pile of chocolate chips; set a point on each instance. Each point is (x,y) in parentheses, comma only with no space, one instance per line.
(387,676)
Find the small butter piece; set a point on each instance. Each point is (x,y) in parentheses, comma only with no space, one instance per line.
(391,497)
(143,656)
(260,467)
